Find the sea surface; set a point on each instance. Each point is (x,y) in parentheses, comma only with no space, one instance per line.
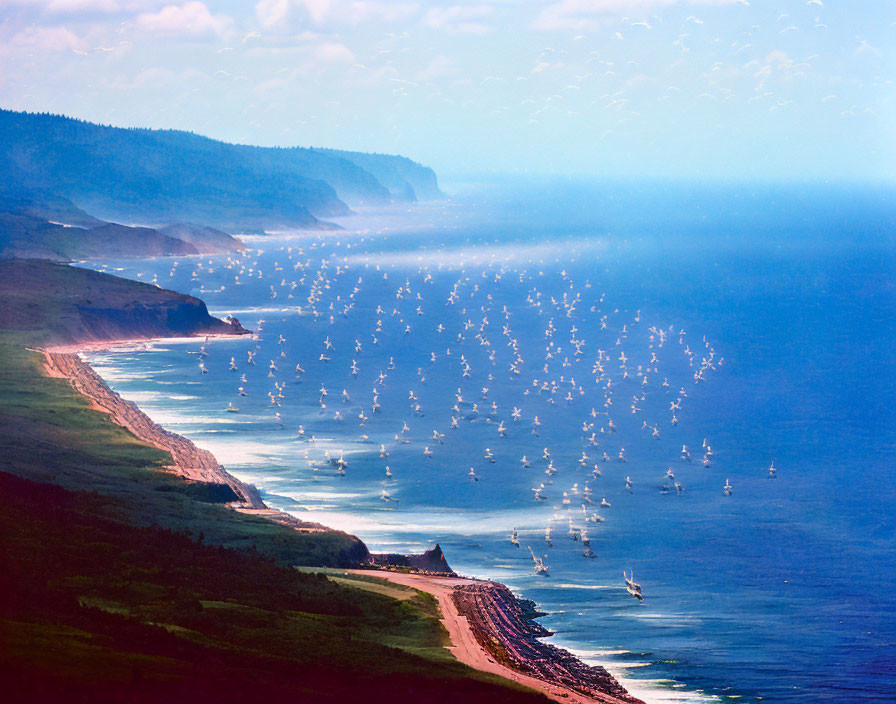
(760,316)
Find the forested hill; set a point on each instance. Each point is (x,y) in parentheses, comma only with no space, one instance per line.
(162,176)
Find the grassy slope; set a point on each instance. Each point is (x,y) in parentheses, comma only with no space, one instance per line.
(108,594)
(95,609)
(51,435)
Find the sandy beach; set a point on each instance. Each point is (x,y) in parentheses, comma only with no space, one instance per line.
(545,674)
(189,461)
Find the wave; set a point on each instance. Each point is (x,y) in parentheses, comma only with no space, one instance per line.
(650,691)
(144,396)
(669,619)
(661,691)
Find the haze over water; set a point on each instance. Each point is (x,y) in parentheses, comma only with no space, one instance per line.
(782,296)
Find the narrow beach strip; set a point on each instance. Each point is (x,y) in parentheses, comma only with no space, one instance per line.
(188,461)
(489,632)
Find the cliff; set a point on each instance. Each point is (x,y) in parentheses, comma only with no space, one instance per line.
(406,180)
(67,304)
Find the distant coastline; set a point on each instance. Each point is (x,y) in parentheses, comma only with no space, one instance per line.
(148,176)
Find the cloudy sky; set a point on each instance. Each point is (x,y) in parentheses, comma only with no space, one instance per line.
(713,88)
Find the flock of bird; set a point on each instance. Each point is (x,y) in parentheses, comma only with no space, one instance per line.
(508,364)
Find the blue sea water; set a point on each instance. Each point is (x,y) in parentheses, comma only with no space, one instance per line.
(782,295)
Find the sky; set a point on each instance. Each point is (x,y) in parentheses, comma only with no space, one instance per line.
(714,89)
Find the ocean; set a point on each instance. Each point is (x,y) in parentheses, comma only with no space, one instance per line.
(719,328)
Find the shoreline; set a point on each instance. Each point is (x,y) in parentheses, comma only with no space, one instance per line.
(188,461)
(477,614)
(100,345)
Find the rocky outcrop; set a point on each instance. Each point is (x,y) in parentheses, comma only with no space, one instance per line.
(152,319)
(431,561)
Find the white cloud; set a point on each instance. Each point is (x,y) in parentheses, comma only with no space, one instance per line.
(283,14)
(586,14)
(271,13)
(779,59)
(369,11)
(192,19)
(318,10)
(439,67)
(161,78)
(70,6)
(47,39)
(459,19)
(66,6)
(334,53)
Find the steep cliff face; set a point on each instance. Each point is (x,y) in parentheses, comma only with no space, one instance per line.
(151,318)
(70,305)
(406,180)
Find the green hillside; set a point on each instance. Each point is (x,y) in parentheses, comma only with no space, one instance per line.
(164,176)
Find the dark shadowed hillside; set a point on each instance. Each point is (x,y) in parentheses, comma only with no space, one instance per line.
(25,237)
(16,200)
(36,225)
(80,304)
(162,176)
(205,239)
